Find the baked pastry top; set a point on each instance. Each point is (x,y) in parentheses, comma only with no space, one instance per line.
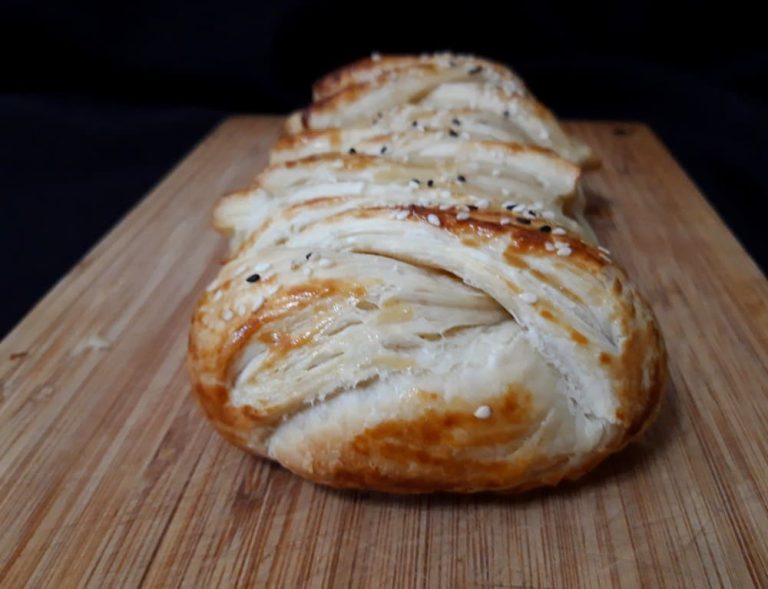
(414,300)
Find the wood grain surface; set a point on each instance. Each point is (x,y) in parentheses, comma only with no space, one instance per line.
(111,477)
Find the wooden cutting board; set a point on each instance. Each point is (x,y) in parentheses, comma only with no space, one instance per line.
(111,477)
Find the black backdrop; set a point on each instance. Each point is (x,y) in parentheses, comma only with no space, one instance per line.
(99,101)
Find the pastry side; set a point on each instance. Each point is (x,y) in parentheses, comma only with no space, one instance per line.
(414,300)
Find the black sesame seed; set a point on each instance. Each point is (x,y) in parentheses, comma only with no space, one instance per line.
(523,220)
(461,178)
(309,255)
(383,149)
(456,122)
(415,180)
(430,183)
(511,206)
(532,213)
(545,229)
(352,150)
(453,133)
(415,124)
(253,278)
(506,114)
(476,70)
(472,207)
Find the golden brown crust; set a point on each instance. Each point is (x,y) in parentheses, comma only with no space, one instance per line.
(367,67)
(432,452)
(332,136)
(352,93)
(362,93)
(217,358)
(294,140)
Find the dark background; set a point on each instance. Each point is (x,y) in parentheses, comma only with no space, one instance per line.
(99,101)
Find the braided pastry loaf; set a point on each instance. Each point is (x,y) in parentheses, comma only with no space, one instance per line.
(414,301)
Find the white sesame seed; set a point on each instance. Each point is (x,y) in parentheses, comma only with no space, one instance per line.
(564,251)
(495,173)
(506,220)
(505,191)
(605,250)
(445,194)
(257,303)
(558,231)
(307,271)
(227,315)
(518,209)
(462,216)
(528,297)
(240,309)
(537,206)
(549,247)
(483,412)
(548,215)
(483,203)
(433,220)
(262,267)
(445,207)
(559,244)
(413,184)
(217,296)
(325,263)
(400,215)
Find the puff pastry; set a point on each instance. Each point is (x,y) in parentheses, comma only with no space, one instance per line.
(414,301)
